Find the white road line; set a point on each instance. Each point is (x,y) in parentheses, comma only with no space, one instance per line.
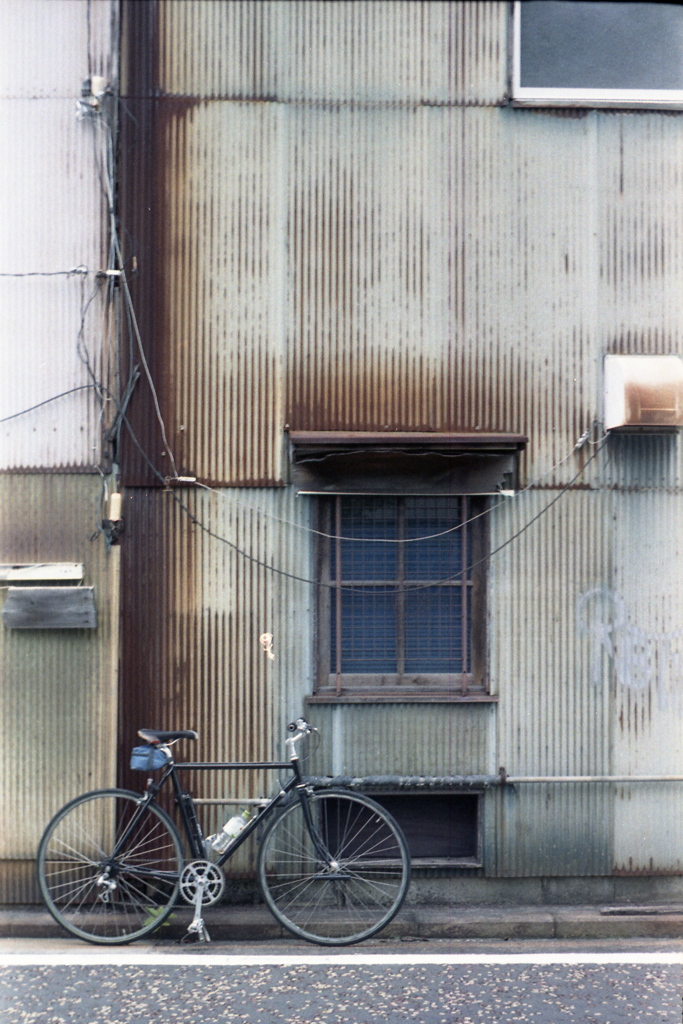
(128,959)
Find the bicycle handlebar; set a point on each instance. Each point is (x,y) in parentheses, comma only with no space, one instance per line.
(301,725)
(301,728)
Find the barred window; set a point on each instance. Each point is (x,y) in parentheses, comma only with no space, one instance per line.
(403,609)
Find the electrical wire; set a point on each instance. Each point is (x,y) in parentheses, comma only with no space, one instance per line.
(224,494)
(116,257)
(122,418)
(143,359)
(346,588)
(405,590)
(118,263)
(81,347)
(51,273)
(515,536)
(54,398)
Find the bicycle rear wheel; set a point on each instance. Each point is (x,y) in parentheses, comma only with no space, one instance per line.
(108,870)
(350,893)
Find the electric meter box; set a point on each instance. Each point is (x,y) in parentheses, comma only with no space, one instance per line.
(643,393)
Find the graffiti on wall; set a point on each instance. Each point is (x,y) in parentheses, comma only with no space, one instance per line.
(641,659)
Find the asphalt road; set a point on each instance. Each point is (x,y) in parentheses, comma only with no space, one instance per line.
(67,983)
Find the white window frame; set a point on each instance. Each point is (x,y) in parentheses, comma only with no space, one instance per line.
(535,96)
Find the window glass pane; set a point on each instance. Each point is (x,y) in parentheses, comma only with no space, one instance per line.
(570,45)
(442,555)
(434,630)
(368,639)
(367,521)
(389,624)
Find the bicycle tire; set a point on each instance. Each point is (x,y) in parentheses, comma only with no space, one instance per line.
(95,896)
(360,888)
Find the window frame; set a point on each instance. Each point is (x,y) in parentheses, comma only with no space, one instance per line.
(530,96)
(333,685)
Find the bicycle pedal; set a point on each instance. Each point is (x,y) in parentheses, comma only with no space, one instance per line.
(195,936)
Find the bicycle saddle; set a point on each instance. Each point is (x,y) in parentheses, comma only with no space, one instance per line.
(157,736)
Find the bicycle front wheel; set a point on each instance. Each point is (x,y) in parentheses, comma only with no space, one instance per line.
(108,869)
(343,882)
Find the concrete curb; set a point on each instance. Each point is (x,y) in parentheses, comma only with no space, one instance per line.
(239,923)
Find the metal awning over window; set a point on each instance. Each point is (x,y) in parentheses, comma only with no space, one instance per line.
(397,462)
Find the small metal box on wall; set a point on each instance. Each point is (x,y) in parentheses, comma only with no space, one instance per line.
(643,393)
(50,608)
(61,606)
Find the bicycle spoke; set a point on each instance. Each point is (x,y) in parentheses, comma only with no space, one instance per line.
(359,885)
(130,884)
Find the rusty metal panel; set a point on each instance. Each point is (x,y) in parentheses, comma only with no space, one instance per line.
(58,686)
(351,260)
(196,599)
(314,51)
(48,47)
(588,680)
(452,53)
(210,246)
(641,233)
(420,310)
(368,287)
(555,712)
(553,831)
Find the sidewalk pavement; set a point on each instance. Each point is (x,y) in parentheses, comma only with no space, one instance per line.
(237,923)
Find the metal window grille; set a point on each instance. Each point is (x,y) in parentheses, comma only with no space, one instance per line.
(400,610)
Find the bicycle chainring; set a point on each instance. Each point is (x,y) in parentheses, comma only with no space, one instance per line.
(202,873)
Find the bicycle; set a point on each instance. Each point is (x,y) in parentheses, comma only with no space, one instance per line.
(332,864)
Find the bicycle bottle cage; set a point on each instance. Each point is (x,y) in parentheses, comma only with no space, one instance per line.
(148,758)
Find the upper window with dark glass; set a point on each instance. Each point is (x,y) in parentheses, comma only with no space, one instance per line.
(585,53)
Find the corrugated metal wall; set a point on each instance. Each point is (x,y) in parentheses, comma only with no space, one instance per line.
(555,700)
(340,225)
(329,51)
(53,213)
(58,722)
(194,609)
(275,221)
(58,687)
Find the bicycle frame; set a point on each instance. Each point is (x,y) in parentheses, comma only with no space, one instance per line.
(188,812)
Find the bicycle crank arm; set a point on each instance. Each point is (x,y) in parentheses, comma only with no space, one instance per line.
(197,926)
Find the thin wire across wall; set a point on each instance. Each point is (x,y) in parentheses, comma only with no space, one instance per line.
(381,540)
(350,589)
(116,268)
